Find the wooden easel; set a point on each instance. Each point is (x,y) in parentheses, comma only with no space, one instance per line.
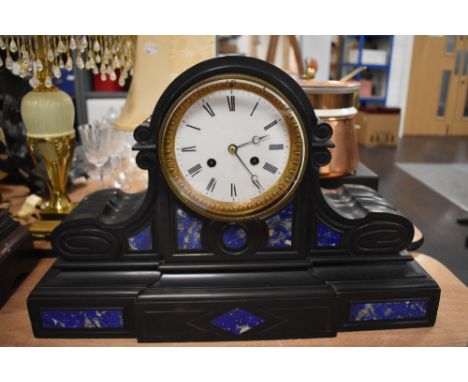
(273,46)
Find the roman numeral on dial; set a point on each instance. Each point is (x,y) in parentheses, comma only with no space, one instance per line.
(195,170)
(270,168)
(188,149)
(233,190)
(211,185)
(270,125)
(208,109)
(277,147)
(254,108)
(231,100)
(192,127)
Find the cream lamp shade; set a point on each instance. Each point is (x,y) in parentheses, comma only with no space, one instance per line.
(48,114)
(158,60)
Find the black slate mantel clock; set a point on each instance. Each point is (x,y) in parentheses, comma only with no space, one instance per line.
(234,238)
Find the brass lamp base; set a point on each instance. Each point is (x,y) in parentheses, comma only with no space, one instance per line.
(53,157)
(52,211)
(42,229)
(48,220)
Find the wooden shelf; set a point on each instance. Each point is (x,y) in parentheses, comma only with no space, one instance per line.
(372,99)
(369,66)
(93,94)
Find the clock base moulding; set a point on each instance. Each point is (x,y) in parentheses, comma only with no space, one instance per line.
(344,281)
(238,305)
(155,267)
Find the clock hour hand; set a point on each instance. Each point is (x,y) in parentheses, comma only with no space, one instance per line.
(255,140)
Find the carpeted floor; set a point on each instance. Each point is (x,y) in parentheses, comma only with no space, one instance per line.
(447,179)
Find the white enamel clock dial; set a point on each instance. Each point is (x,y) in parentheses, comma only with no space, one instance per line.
(233,148)
(232,145)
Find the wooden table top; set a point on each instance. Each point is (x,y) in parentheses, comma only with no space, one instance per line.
(451,328)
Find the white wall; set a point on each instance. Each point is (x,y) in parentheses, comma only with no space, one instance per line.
(400,74)
(319,48)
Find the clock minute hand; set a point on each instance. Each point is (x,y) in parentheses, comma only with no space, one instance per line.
(256,182)
(255,140)
(253,178)
(243,163)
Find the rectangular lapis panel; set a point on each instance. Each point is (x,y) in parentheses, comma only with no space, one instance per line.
(327,237)
(141,241)
(280,228)
(188,230)
(82,319)
(237,321)
(391,310)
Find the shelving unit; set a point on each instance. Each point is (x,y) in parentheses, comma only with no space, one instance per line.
(84,92)
(380,72)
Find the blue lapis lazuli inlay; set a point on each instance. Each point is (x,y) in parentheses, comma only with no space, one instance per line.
(188,230)
(82,319)
(327,237)
(141,241)
(237,321)
(234,237)
(280,228)
(392,310)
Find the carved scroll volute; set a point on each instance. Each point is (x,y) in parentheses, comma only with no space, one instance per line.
(86,243)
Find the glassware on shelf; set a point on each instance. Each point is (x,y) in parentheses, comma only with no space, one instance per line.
(97,141)
(119,160)
(110,151)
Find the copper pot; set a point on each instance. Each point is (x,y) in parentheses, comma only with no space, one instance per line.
(334,103)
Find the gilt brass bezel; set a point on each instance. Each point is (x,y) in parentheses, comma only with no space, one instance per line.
(266,203)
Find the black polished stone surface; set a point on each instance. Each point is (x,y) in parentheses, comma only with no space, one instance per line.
(341,246)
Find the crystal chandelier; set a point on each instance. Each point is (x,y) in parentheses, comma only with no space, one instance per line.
(41,58)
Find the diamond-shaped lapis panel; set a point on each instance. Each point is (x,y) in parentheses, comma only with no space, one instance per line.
(82,319)
(280,228)
(327,237)
(237,321)
(392,310)
(188,230)
(141,241)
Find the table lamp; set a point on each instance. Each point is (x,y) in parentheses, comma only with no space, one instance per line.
(48,116)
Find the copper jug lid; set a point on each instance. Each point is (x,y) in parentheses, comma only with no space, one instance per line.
(328,87)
